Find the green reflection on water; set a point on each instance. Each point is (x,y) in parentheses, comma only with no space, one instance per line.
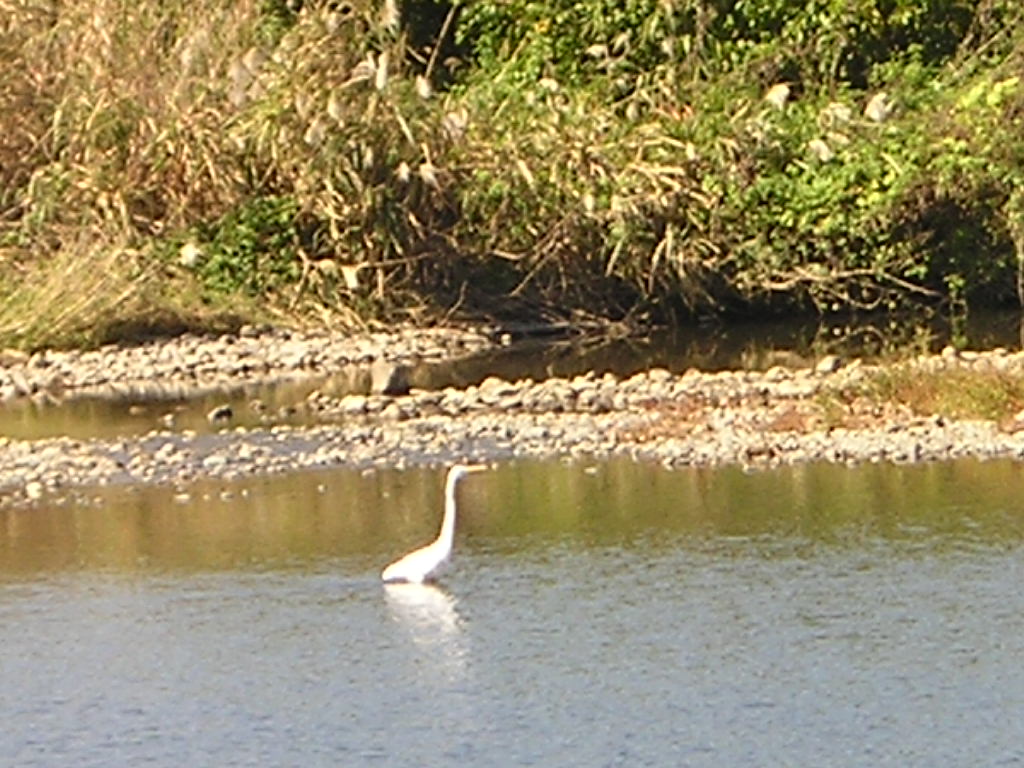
(354,522)
(817,502)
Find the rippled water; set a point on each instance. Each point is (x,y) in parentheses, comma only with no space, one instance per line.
(613,614)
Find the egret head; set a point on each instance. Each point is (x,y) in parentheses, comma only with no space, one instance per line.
(460,470)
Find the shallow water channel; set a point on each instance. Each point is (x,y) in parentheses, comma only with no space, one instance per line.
(597,615)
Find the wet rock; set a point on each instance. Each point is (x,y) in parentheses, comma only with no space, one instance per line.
(21,384)
(353,405)
(453,402)
(40,360)
(828,364)
(220,414)
(43,399)
(190,360)
(214,461)
(494,390)
(376,404)
(165,452)
(422,399)
(748,418)
(510,402)
(388,378)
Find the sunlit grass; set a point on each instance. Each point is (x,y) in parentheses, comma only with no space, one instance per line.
(956,392)
(95,290)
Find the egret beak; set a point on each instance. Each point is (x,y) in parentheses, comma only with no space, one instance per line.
(475,467)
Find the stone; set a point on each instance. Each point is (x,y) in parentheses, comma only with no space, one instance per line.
(392,411)
(22,386)
(10,357)
(494,384)
(165,452)
(352,405)
(828,364)
(388,378)
(215,461)
(220,414)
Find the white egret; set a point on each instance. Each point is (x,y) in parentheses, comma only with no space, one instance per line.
(422,564)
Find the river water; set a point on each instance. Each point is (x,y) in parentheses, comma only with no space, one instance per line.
(595,615)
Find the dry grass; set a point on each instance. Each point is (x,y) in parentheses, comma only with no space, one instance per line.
(125,128)
(955,392)
(95,289)
(127,109)
(151,121)
(71,296)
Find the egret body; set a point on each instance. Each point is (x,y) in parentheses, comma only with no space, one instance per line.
(422,564)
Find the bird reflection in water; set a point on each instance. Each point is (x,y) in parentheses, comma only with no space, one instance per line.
(430,616)
(425,610)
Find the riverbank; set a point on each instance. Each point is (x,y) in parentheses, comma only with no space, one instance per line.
(184,365)
(837,411)
(521,162)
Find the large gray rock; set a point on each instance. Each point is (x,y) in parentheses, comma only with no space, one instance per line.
(389,378)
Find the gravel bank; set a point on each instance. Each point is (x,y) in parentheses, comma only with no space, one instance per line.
(189,364)
(754,419)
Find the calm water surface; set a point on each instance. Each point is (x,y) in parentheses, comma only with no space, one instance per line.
(602,615)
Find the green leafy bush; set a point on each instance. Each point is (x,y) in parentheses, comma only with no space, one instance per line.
(252,250)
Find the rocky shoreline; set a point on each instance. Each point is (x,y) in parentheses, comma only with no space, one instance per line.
(191,363)
(747,418)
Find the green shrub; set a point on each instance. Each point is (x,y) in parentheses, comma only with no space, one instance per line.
(252,250)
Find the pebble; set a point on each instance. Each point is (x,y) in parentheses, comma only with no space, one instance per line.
(219,414)
(828,364)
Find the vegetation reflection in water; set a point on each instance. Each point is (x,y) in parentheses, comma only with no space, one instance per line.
(352,522)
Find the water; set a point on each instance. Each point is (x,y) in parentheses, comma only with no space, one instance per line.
(596,615)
